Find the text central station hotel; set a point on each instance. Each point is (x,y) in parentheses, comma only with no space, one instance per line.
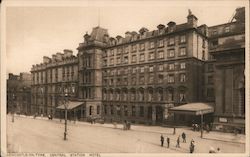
(137,78)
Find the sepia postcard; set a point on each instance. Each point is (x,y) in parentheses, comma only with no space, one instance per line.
(124,78)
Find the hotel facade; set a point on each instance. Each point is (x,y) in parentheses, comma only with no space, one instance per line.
(136,78)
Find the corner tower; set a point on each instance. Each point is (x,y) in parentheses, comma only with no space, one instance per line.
(90,74)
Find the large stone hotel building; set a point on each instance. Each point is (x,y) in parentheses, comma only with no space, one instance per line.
(140,76)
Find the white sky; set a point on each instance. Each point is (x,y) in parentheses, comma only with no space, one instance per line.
(37,31)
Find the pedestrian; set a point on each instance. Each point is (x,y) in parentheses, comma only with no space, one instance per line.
(191,147)
(178,142)
(184,137)
(168,141)
(218,150)
(162,140)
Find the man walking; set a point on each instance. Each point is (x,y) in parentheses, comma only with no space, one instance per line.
(162,140)
(168,141)
(191,147)
(184,137)
(178,142)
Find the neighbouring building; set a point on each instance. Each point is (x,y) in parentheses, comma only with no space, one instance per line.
(19,93)
(52,80)
(141,76)
(227,45)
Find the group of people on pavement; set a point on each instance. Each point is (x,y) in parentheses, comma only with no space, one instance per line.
(191,146)
(178,140)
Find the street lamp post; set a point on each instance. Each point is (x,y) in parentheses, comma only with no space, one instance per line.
(13,108)
(66,114)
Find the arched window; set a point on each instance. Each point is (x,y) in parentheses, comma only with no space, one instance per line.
(170,94)
(150,94)
(160,94)
(141,94)
(133,97)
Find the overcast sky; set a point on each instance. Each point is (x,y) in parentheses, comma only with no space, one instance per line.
(34,32)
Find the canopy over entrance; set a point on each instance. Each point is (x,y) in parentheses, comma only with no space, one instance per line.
(70,105)
(193,109)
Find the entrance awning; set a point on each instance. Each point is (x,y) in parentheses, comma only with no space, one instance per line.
(70,105)
(193,109)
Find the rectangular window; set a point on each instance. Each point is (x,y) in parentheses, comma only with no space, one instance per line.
(161,43)
(134,48)
(182,65)
(118,60)
(171,66)
(151,79)
(125,71)
(125,80)
(170,78)
(119,51)
(142,57)
(118,110)
(160,55)
(141,111)
(171,53)
(133,80)
(182,77)
(171,41)
(111,61)
(133,111)
(111,52)
(118,82)
(151,45)
(182,51)
(183,39)
(160,67)
(141,69)
(160,78)
(151,56)
(125,59)
(133,58)
(210,79)
(127,49)
(151,68)
(104,63)
(133,70)
(142,80)
(142,46)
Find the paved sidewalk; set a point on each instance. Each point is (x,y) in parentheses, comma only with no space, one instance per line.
(212,135)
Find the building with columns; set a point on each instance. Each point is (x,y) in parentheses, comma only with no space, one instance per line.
(140,76)
(227,45)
